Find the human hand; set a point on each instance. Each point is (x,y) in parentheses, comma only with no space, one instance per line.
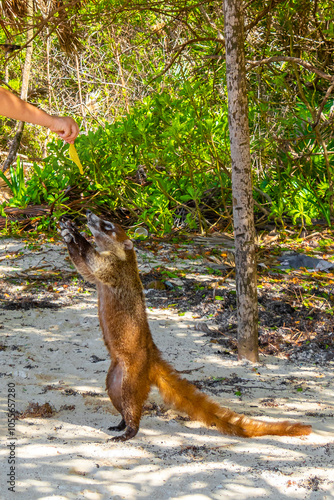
(65,127)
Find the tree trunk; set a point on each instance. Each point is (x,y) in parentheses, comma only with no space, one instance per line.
(14,147)
(82,108)
(48,79)
(120,69)
(243,214)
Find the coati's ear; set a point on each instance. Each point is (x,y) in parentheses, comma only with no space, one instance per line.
(128,245)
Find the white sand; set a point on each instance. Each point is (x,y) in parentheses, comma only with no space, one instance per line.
(69,456)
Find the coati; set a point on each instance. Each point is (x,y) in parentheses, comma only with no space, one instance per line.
(136,362)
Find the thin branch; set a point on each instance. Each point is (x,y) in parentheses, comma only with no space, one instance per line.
(53,19)
(14,147)
(179,51)
(261,208)
(212,24)
(322,105)
(169,64)
(296,60)
(2,82)
(265,195)
(271,6)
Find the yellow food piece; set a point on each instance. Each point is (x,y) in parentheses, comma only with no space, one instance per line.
(74,157)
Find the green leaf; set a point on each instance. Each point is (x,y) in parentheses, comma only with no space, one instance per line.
(4,178)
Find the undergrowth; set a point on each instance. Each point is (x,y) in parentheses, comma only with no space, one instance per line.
(166,164)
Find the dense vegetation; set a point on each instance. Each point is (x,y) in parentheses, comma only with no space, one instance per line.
(147,84)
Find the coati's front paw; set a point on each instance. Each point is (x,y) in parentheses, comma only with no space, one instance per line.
(68,230)
(67,235)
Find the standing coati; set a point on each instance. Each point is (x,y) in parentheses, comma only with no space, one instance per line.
(136,362)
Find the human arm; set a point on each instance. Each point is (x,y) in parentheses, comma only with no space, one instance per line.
(13,107)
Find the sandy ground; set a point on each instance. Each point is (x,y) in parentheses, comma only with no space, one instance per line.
(58,357)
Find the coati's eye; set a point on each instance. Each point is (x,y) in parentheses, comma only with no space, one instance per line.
(109,226)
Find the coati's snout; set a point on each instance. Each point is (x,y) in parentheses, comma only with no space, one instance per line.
(96,224)
(107,234)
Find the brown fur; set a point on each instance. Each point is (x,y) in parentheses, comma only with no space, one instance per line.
(136,362)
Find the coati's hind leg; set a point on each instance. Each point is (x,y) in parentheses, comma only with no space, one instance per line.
(128,393)
(114,388)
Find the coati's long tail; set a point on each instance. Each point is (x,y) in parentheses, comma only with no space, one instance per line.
(187,398)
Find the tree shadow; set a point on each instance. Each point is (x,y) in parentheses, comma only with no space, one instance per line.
(70,454)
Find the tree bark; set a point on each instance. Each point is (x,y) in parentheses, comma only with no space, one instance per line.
(243,213)
(14,147)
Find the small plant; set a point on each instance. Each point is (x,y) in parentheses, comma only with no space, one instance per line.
(16,184)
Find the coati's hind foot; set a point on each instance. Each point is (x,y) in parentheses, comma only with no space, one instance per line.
(117,428)
(128,434)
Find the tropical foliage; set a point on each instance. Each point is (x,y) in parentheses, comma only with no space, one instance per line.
(146,81)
